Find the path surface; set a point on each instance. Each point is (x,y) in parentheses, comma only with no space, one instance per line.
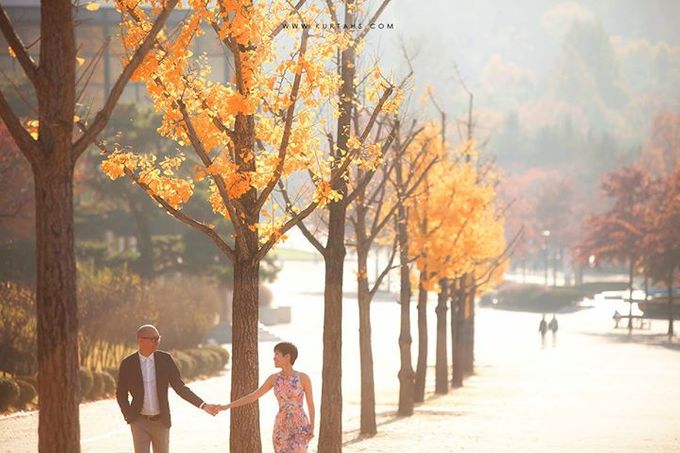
(594,390)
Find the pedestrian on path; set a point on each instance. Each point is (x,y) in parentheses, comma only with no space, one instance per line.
(543,328)
(292,429)
(146,375)
(553,326)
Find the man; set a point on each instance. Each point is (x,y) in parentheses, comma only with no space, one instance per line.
(146,375)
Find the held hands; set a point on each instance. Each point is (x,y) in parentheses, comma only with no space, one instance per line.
(212,409)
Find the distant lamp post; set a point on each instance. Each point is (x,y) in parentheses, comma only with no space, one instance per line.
(591,261)
(546,235)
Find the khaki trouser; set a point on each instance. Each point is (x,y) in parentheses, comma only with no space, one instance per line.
(146,432)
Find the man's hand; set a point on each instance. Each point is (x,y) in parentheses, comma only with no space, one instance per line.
(212,409)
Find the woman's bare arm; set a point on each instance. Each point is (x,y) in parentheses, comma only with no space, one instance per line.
(307,387)
(251,397)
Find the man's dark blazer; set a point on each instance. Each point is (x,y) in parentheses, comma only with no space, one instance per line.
(130,381)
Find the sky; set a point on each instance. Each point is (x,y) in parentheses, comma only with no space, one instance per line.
(507,52)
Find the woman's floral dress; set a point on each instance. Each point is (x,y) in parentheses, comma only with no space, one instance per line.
(291,427)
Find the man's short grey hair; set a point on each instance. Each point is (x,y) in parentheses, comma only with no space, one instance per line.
(144,327)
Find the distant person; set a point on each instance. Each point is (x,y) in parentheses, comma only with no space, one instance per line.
(543,328)
(616,318)
(146,375)
(553,326)
(292,429)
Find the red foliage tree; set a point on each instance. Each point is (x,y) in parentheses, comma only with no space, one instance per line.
(616,234)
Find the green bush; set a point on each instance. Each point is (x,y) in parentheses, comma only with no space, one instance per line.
(33,380)
(27,393)
(185,363)
(86,381)
(182,328)
(97,388)
(9,393)
(223,353)
(215,361)
(109,383)
(17,329)
(113,372)
(202,359)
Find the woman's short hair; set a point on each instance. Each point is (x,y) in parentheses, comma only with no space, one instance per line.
(286,348)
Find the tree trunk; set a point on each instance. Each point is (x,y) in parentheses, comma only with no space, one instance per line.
(245,420)
(630,295)
(330,429)
(458,321)
(368,423)
(454,294)
(406,375)
(244,426)
(145,244)
(670,304)
(421,367)
(57,310)
(441,367)
(468,354)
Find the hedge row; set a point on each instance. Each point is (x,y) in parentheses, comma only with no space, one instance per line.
(94,385)
(17,393)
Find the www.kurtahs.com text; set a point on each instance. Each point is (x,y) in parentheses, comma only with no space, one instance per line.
(337,26)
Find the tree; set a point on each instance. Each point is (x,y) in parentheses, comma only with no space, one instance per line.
(662,249)
(372,216)
(616,234)
(47,143)
(17,198)
(248,137)
(345,148)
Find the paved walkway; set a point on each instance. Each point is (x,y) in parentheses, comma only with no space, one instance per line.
(595,390)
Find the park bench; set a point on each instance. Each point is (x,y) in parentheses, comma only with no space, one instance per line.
(642,322)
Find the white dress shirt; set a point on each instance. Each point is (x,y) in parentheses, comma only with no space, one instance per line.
(148,365)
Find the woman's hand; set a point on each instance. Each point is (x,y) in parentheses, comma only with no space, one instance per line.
(308,432)
(225,407)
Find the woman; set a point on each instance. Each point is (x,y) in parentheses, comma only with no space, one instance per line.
(292,429)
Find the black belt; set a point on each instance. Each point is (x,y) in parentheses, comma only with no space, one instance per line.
(153,418)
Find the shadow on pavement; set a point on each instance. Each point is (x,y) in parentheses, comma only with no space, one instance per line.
(388,417)
(380,296)
(657,339)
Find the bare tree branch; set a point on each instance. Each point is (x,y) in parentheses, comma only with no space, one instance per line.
(287,127)
(179,215)
(19,49)
(103,115)
(375,17)
(279,27)
(26,144)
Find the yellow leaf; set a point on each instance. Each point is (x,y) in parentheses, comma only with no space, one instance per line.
(92,6)
(80,60)
(11,52)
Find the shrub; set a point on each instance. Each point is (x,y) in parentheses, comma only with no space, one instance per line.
(188,308)
(17,329)
(203,361)
(112,303)
(109,383)
(113,373)
(223,353)
(27,393)
(265,296)
(33,380)
(86,381)
(215,361)
(97,388)
(9,393)
(185,363)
